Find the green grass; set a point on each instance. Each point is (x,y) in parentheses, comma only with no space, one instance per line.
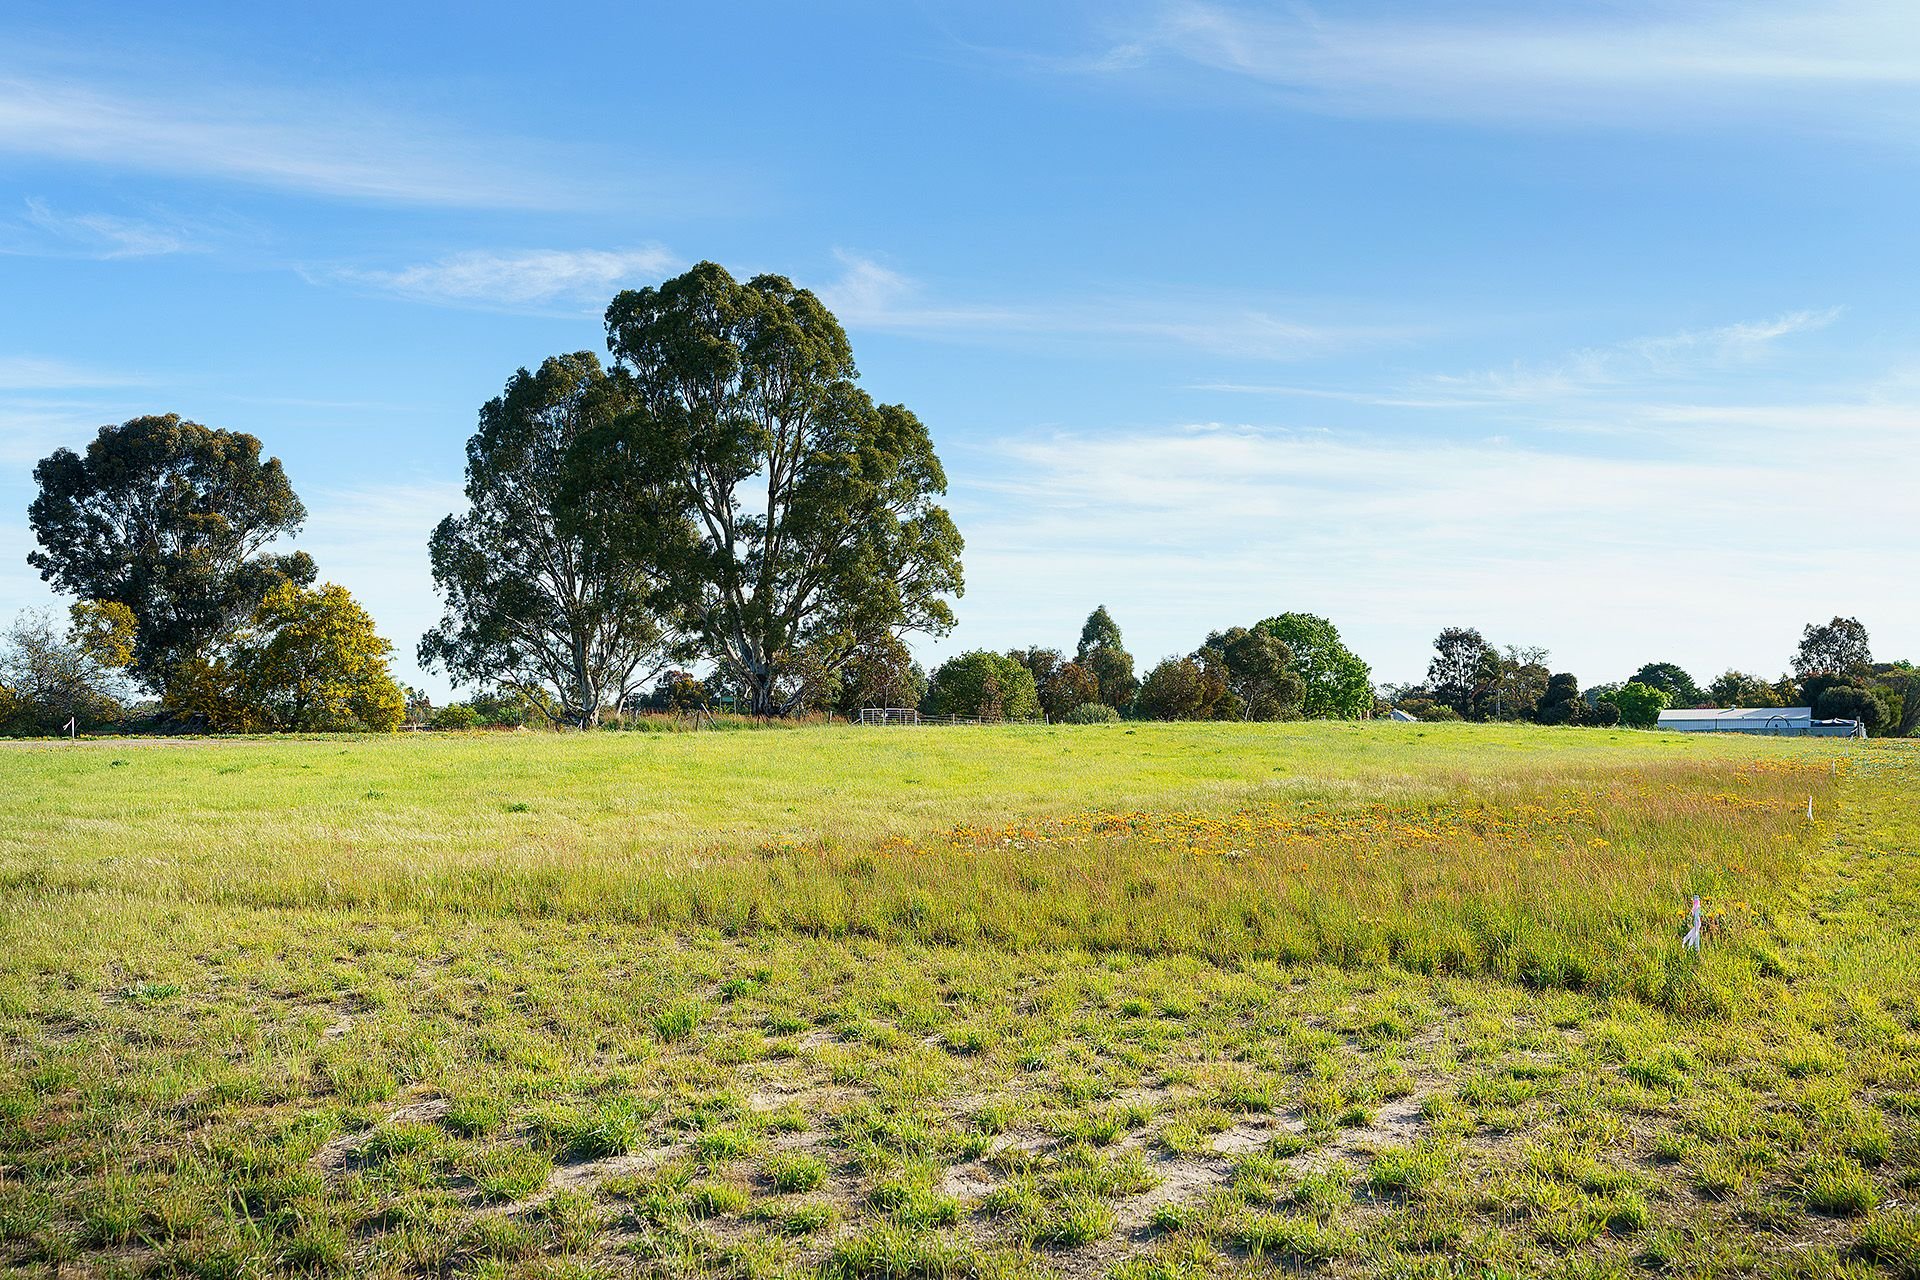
(1143,1000)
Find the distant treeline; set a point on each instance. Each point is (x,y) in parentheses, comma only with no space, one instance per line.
(723,498)
(1833,672)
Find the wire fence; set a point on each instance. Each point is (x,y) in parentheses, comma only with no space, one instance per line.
(886,717)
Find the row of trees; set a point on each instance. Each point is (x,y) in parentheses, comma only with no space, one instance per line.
(1287,667)
(160,529)
(1832,671)
(724,494)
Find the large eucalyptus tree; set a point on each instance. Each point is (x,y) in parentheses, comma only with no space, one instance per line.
(538,598)
(811,509)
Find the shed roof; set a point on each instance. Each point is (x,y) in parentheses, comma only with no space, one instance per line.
(1798,715)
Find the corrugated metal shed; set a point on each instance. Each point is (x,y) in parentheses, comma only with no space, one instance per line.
(1795,722)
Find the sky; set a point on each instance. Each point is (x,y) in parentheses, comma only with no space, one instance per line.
(1589,325)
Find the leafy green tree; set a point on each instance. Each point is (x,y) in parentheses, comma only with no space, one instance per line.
(311,661)
(537,593)
(1519,682)
(1063,685)
(1739,689)
(512,708)
(455,717)
(47,678)
(1837,648)
(170,519)
(812,510)
(1639,704)
(1671,679)
(1464,672)
(882,673)
(679,691)
(1561,703)
(308,661)
(1259,673)
(1103,653)
(1337,685)
(983,684)
(1186,689)
(1070,687)
(106,630)
(1601,715)
(1902,680)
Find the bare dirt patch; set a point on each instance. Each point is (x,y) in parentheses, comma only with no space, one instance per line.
(338,1153)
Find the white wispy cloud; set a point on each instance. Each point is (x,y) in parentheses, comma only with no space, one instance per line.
(104,235)
(319,143)
(1849,65)
(870,295)
(510,280)
(1710,549)
(1634,365)
(35,373)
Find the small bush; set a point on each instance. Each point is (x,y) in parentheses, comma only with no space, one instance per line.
(1091,713)
(455,717)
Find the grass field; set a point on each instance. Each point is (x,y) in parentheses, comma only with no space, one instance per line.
(1147,1001)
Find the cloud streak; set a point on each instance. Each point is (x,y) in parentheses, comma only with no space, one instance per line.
(316,145)
(104,236)
(1851,65)
(869,295)
(1635,365)
(515,280)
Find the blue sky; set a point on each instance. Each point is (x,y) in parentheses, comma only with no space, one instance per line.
(1589,325)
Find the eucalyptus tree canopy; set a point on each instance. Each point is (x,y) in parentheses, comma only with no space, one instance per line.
(1259,672)
(1185,689)
(1671,679)
(814,525)
(1739,689)
(1835,648)
(1104,654)
(538,596)
(1464,671)
(1337,685)
(170,519)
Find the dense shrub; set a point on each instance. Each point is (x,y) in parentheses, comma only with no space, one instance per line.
(47,677)
(1179,689)
(1091,713)
(1639,704)
(984,684)
(309,661)
(456,716)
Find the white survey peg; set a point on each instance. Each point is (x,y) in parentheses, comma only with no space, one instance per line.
(1809,808)
(1692,940)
